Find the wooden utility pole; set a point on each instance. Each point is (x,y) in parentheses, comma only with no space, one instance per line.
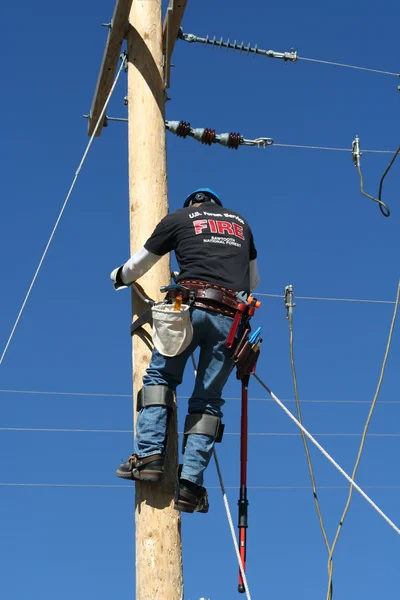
(150,46)
(158,537)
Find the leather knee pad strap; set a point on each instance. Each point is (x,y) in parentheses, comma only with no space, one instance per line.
(155,395)
(204,424)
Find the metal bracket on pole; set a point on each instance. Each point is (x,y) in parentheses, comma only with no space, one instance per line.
(356,154)
(289,304)
(167,56)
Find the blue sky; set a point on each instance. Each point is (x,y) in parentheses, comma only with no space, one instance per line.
(312,228)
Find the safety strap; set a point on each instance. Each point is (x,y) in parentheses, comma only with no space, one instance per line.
(155,395)
(203,424)
(146,317)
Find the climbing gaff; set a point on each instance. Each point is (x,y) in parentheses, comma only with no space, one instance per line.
(356,153)
(243,503)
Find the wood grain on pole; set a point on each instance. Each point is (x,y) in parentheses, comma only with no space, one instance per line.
(109,63)
(158,536)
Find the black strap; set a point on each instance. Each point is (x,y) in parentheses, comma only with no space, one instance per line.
(203,424)
(155,395)
(146,317)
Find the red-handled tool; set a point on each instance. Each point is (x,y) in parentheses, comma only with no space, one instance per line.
(241,309)
(243,503)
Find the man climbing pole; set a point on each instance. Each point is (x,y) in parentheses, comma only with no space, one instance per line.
(215,251)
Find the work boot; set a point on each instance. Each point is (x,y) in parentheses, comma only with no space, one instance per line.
(190,497)
(149,468)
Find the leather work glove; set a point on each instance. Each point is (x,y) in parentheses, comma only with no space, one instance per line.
(115,276)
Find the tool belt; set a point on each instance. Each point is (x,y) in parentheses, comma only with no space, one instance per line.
(210,296)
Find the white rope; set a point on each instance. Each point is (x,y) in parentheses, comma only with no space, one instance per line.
(103,112)
(231,526)
(336,64)
(328,456)
(228,511)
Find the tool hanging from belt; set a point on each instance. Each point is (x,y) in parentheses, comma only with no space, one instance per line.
(170,319)
(245,355)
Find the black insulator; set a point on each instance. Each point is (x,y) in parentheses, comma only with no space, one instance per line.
(208,136)
(183,129)
(234,140)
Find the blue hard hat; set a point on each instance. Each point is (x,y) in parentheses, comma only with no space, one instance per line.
(207,192)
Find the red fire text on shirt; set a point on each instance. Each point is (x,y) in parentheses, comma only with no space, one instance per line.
(220,227)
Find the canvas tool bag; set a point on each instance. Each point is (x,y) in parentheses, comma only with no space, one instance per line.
(172,329)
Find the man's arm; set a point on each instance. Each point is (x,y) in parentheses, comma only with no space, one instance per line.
(254,276)
(159,243)
(135,267)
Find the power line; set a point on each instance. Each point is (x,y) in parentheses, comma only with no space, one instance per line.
(290,56)
(362,443)
(233,433)
(346,66)
(328,148)
(103,112)
(227,487)
(289,304)
(227,398)
(361,300)
(264,142)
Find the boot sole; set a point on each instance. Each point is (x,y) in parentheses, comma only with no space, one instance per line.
(144,476)
(187,508)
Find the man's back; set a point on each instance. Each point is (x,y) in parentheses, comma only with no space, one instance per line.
(211,244)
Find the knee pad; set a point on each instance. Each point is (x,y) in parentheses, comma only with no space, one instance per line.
(155,395)
(203,424)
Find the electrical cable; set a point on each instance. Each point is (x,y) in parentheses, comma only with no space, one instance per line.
(227,433)
(328,148)
(290,56)
(328,456)
(106,395)
(361,300)
(364,435)
(296,488)
(102,114)
(346,66)
(289,306)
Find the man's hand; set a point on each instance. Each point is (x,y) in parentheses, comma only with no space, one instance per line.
(116,278)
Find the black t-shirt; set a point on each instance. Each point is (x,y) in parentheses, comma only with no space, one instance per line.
(211,243)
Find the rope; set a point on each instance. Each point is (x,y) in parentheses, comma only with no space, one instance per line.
(231,527)
(228,511)
(363,438)
(103,112)
(299,416)
(328,456)
(105,395)
(290,305)
(336,64)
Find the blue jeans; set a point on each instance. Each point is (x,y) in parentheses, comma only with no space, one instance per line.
(210,331)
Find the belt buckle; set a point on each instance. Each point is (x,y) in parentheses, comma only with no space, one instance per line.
(192,297)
